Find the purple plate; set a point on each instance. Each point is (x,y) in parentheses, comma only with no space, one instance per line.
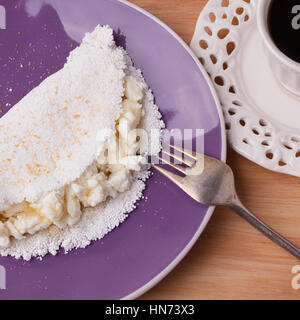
(38,37)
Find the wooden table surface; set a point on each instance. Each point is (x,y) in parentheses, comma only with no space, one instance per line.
(231,260)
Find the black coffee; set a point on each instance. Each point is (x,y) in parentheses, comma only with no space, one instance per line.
(284,25)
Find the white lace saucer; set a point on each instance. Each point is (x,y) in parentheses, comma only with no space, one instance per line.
(262,117)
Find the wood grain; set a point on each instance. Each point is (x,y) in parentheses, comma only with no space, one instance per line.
(231,260)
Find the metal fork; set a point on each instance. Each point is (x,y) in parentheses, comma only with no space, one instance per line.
(214,185)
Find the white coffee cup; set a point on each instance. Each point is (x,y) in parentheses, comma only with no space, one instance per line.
(286,70)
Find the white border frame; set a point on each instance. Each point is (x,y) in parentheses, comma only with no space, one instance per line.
(210,211)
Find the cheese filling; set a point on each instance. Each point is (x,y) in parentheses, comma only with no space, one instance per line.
(104,178)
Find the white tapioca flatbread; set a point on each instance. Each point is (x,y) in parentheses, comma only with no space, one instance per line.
(56,127)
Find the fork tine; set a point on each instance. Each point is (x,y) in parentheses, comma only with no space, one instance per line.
(180,159)
(175,166)
(173,177)
(189,153)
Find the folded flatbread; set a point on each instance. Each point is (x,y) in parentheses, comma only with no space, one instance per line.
(51,138)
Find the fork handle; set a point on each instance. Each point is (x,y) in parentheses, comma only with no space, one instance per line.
(238,207)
